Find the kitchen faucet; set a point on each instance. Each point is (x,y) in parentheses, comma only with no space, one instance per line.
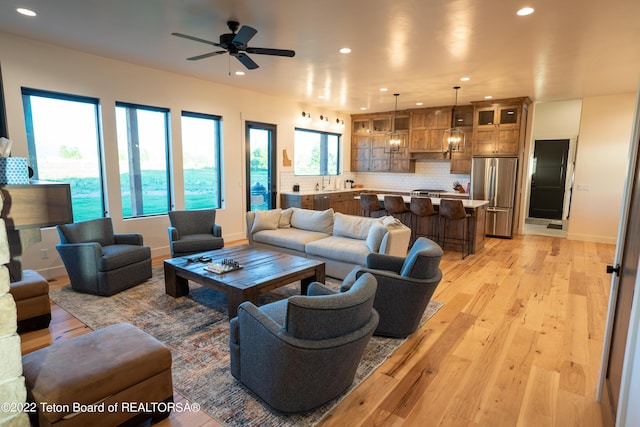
(328,183)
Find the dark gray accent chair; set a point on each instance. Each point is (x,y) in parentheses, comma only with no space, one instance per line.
(194,231)
(300,353)
(100,262)
(405,286)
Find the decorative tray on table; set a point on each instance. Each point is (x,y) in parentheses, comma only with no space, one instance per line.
(225,266)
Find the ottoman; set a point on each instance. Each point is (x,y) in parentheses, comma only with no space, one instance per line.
(31,295)
(102,378)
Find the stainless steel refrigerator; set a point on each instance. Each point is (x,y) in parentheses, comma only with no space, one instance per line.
(494,179)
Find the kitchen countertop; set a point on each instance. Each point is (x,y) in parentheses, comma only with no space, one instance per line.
(472,204)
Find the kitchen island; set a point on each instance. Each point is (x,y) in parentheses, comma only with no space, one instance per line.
(476,208)
(347,201)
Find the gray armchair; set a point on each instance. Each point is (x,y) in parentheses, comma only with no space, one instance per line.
(299,353)
(194,231)
(405,286)
(101,262)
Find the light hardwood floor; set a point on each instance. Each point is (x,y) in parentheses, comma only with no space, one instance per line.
(517,343)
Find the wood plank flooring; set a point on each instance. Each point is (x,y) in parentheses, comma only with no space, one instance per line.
(517,343)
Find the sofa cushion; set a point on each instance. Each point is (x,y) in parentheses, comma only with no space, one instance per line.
(320,221)
(266,220)
(338,248)
(285,218)
(375,236)
(356,227)
(290,238)
(116,256)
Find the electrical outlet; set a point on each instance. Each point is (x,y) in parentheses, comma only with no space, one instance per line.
(44,253)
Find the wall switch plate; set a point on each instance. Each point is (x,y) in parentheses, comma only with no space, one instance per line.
(584,187)
(44,253)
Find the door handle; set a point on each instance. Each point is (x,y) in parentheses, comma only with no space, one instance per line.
(611,269)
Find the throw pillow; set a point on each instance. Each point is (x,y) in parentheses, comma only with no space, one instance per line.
(321,221)
(285,218)
(266,220)
(354,227)
(375,236)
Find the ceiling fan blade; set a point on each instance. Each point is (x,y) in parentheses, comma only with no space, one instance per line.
(185,36)
(245,34)
(206,55)
(246,61)
(267,51)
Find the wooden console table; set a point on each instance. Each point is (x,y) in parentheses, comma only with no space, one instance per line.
(29,207)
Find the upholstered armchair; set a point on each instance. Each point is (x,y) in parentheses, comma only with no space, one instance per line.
(405,286)
(194,231)
(101,262)
(299,353)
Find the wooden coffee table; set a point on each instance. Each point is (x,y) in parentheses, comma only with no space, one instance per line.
(262,271)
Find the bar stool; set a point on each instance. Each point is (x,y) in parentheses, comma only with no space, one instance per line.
(396,207)
(369,203)
(453,210)
(422,207)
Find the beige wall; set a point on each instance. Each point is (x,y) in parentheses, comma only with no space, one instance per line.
(27,63)
(601,166)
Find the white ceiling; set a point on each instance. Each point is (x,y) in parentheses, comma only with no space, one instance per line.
(567,49)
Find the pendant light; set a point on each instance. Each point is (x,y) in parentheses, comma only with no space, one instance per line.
(453,138)
(395,142)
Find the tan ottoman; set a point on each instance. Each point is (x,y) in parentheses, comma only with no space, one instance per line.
(90,379)
(31,295)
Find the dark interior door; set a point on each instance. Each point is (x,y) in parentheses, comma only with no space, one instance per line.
(548,179)
(624,298)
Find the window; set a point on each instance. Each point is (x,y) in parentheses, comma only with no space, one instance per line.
(142,152)
(316,153)
(201,160)
(63,139)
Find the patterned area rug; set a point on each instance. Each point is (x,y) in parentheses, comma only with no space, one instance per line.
(196,329)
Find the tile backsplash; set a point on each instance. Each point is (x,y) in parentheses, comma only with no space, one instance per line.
(428,175)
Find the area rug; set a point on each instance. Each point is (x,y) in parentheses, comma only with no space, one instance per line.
(196,329)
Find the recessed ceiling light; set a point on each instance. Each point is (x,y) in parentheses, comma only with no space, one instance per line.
(488,97)
(383,89)
(239,73)
(525,11)
(363,108)
(26,12)
(419,103)
(320,96)
(345,50)
(465,79)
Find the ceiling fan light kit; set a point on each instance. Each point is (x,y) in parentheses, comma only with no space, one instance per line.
(235,43)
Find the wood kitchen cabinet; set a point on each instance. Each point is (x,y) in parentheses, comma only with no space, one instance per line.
(427,126)
(461,160)
(499,126)
(368,143)
(296,200)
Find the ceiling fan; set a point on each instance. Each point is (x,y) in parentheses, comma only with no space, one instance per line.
(236,44)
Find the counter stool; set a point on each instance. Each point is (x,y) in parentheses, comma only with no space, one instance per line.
(396,207)
(422,208)
(370,204)
(453,210)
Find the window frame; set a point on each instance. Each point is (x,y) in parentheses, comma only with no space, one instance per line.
(324,135)
(217,148)
(26,93)
(167,138)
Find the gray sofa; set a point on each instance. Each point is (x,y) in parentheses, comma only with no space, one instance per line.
(341,241)
(299,353)
(100,262)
